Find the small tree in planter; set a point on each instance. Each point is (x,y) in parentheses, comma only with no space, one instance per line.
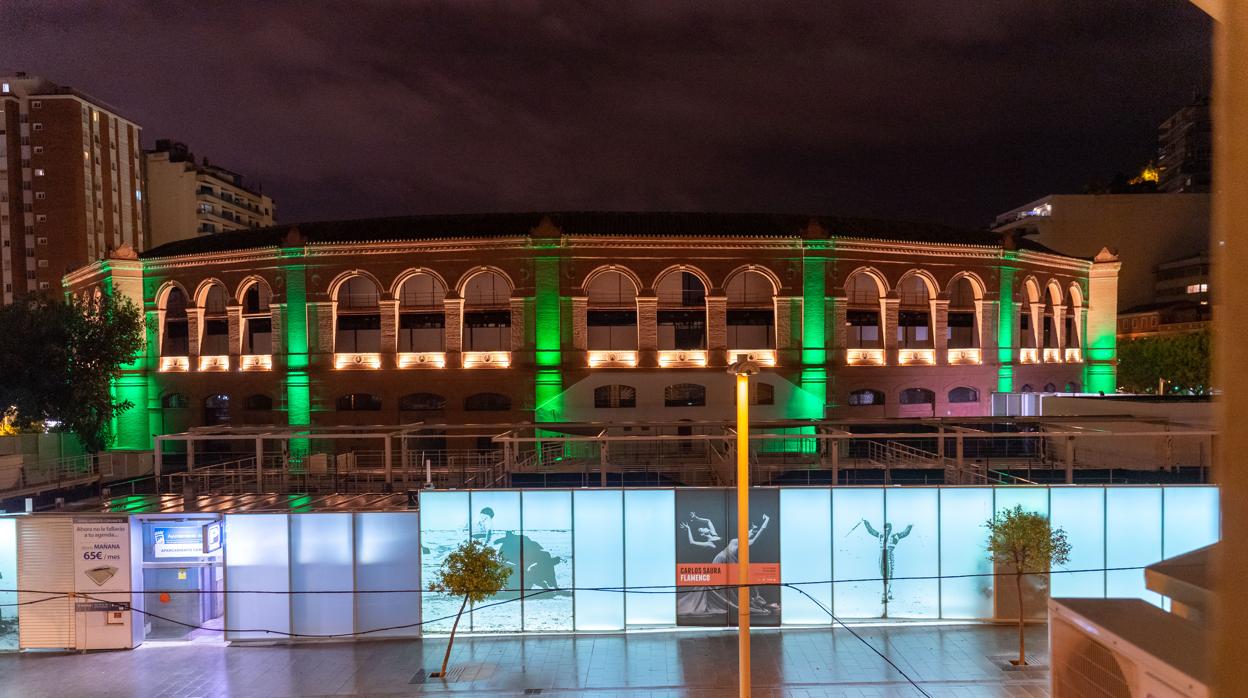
(474,571)
(1025,540)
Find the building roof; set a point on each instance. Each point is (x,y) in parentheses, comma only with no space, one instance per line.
(584,223)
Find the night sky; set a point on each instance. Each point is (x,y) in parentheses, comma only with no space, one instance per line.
(947,111)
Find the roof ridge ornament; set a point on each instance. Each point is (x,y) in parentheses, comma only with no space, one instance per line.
(124,251)
(1106,255)
(546,228)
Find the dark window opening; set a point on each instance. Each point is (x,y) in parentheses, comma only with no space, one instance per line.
(422,402)
(175,401)
(488,330)
(865,397)
(917,396)
(964,394)
(422,332)
(612,329)
(864,329)
(487,402)
(358,402)
(961,332)
(615,396)
(258,403)
(913,329)
(751,329)
(684,395)
(358,333)
(216,337)
(216,410)
(682,329)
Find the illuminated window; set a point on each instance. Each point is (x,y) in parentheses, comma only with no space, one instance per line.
(863,315)
(865,397)
(751,312)
(39,172)
(422,321)
(487,313)
(681,312)
(358,402)
(216,333)
(960,328)
(684,395)
(487,402)
(257,321)
(611,313)
(614,396)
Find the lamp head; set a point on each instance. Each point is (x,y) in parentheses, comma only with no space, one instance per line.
(743,366)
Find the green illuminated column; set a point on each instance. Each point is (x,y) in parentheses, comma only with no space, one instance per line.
(547,340)
(1100,369)
(1006,317)
(815,309)
(295,343)
(132,429)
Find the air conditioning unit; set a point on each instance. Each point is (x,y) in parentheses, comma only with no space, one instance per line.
(1124,648)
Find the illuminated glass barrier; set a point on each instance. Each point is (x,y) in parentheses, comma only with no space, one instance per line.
(8,580)
(836,546)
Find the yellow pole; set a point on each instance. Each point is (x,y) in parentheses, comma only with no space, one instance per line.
(743,530)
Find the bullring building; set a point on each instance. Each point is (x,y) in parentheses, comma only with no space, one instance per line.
(594,317)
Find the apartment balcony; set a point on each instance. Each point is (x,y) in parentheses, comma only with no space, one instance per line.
(1052,355)
(422,359)
(864,357)
(255,362)
(1029,355)
(175,364)
(612,358)
(215,362)
(965,357)
(357,360)
(487,359)
(1074,355)
(682,358)
(916,357)
(762,357)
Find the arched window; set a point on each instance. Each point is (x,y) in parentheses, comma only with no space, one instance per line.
(684,395)
(1074,315)
(358,402)
(175,341)
(215,334)
(1026,328)
(258,403)
(1052,299)
(359,317)
(611,312)
(964,394)
(681,311)
(487,313)
(216,410)
(1072,387)
(422,402)
(962,331)
(914,316)
(1026,388)
(863,312)
(257,321)
(613,396)
(1050,388)
(487,402)
(918,396)
(751,311)
(175,401)
(422,318)
(865,397)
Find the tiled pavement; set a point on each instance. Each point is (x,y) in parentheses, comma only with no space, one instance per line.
(946,660)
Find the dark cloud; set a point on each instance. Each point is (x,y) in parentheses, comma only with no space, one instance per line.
(948,111)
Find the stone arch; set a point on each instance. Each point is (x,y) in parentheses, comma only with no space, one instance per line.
(757,269)
(483,269)
(240,291)
(1076,295)
(1031,290)
(706,280)
(617,268)
(933,288)
(404,276)
(881,281)
(162,294)
(1053,291)
(344,277)
(206,286)
(977,284)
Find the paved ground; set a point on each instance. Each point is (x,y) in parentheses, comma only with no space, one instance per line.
(945,660)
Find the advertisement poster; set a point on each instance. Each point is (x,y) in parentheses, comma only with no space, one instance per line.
(706,557)
(102,557)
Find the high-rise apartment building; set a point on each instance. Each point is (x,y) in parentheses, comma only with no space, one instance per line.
(187,199)
(72,183)
(1185,149)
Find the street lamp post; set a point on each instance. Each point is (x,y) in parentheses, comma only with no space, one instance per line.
(743,368)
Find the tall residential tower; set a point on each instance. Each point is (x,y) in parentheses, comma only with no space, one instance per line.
(71,183)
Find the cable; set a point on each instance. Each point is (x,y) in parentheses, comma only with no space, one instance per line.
(644,589)
(904,675)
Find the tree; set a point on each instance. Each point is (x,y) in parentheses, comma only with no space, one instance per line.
(61,358)
(1026,541)
(474,571)
(1182,360)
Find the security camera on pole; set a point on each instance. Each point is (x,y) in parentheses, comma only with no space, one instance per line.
(743,368)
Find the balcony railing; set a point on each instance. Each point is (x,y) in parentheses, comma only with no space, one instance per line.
(175,364)
(357,360)
(682,358)
(965,357)
(762,357)
(612,358)
(215,362)
(916,357)
(422,359)
(487,359)
(255,362)
(1052,355)
(1029,355)
(864,357)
